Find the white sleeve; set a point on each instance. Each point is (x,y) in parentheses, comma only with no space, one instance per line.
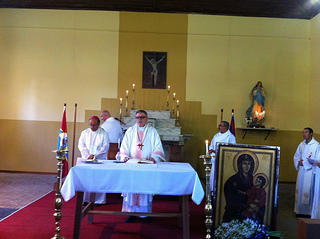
(297,156)
(85,153)
(158,153)
(104,146)
(125,145)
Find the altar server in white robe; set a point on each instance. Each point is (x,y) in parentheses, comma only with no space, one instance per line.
(111,126)
(94,142)
(315,212)
(304,163)
(224,136)
(141,141)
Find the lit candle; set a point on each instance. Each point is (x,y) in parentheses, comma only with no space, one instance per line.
(127,92)
(120,101)
(174,95)
(168,88)
(207,147)
(177,102)
(133,85)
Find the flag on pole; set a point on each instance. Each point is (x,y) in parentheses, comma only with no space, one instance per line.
(232,126)
(63,142)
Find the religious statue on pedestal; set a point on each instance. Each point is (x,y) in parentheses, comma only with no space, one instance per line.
(256,112)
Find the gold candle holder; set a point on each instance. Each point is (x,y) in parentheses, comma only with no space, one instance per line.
(172,112)
(208,206)
(127,94)
(168,91)
(120,117)
(60,156)
(133,90)
(178,115)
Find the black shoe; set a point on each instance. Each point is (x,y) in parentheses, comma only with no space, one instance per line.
(130,219)
(147,219)
(85,204)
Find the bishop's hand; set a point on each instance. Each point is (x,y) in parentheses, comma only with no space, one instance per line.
(151,159)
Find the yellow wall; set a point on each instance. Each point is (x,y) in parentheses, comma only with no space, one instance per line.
(228,55)
(314,86)
(51,57)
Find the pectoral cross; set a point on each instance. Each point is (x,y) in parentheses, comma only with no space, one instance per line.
(140,145)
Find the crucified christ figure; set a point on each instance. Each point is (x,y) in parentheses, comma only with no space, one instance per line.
(154,72)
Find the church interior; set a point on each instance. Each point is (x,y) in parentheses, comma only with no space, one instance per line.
(91,57)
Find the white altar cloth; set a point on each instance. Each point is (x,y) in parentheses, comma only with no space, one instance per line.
(107,177)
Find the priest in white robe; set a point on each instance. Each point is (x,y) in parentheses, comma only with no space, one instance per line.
(315,212)
(141,141)
(304,163)
(94,142)
(111,126)
(224,136)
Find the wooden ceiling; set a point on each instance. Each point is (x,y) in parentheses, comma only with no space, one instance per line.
(295,9)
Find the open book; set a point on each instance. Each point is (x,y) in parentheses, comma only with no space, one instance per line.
(143,161)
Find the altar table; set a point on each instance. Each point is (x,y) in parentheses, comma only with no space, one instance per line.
(166,178)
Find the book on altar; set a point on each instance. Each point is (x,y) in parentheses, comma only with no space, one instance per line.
(142,161)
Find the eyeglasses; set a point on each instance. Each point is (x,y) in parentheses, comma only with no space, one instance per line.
(141,117)
(221,125)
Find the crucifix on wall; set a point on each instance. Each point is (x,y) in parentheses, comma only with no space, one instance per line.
(154,70)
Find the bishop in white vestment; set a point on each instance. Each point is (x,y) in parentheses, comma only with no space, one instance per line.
(224,136)
(304,163)
(94,142)
(141,141)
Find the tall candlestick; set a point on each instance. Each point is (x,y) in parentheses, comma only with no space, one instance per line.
(133,90)
(168,98)
(127,94)
(207,147)
(120,117)
(177,119)
(173,101)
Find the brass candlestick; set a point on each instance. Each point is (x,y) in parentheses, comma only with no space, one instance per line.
(208,206)
(127,94)
(133,90)
(172,112)
(60,156)
(120,116)
(178,115)
(168,91)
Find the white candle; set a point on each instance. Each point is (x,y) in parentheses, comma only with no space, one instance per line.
(120,101)
(207,147)
(168,88)
(174,95)
(127,92)
(177,102)
(133,85)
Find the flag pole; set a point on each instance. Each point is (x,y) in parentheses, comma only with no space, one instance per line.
(74,132)
(232,125)
(221,116)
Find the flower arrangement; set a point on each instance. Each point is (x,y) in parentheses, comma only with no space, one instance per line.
(246,229)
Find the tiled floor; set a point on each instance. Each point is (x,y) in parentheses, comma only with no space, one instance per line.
(287,220)
(19,189)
